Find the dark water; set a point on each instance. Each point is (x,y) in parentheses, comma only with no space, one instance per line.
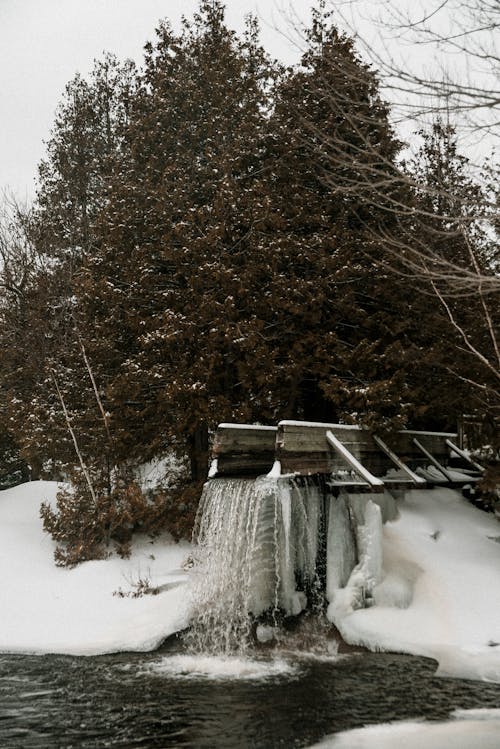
(114,701)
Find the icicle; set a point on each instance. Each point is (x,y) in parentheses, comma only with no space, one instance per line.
(341,549)
(259,550)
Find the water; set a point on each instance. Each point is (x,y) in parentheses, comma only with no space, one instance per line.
(159,700)
(261,551)
(265,547)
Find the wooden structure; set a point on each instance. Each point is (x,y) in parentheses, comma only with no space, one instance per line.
(244,449)
(350,455)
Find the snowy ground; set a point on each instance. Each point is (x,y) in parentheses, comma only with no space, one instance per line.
(46,609)
(469,728)
(438,593)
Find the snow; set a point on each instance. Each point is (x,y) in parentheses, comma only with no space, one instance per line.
(47,609)
(253,427)
(436,592)
(433,474)
(468,728)
(275,471)
(429,576)
(320,424)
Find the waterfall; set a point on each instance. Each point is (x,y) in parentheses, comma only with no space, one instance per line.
(268,547)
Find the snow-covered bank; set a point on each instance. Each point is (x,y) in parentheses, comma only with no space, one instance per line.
(479,728)
(438,593)
(46,609)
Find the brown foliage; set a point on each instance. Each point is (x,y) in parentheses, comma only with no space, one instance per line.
(84,529)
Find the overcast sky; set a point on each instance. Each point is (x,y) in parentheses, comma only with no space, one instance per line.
(43,43)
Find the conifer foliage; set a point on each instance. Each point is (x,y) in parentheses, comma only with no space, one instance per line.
(208,243)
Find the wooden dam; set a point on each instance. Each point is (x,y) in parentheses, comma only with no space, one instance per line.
(352,457)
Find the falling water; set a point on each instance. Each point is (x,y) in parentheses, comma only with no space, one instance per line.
(262,552)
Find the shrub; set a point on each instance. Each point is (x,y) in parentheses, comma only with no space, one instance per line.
(84,528)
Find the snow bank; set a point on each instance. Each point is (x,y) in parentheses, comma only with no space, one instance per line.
(432,577)
(478,728)
(47,609)
(436,591)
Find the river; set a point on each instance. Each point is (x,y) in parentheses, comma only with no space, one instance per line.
(158,700)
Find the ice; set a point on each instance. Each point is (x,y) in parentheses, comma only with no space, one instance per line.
(357,592)
(341,549)
(468,728)
(275,470)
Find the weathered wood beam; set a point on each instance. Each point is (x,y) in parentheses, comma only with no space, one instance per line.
(462,454)
(402,442)
(375,483)
(243,449)
(418,480)
(301,447)
(432,459)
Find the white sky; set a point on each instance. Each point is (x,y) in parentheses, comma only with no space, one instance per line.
(43,43)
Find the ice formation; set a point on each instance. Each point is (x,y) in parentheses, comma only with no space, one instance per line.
(257,553)
(272,546)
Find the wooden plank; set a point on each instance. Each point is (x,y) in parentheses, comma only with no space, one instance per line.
(302,438)
(432,459)
(399,463)
(244,449)
(376,483)
(435,442)
(301,447)
(464,456)
(244,438)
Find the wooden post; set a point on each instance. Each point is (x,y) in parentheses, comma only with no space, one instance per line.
(464,456)
(432,459)
(375,483)
(399,463)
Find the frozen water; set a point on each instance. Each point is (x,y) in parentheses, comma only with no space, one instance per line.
(341,549)
(258,552)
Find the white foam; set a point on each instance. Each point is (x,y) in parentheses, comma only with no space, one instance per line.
(222,667)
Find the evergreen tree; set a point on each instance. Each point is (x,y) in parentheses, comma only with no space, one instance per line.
(338,346)
(451,250)
(161,278)
(40,335)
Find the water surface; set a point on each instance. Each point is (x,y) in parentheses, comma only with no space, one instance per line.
(162,700)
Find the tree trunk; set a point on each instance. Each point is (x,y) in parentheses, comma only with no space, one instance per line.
(198,453)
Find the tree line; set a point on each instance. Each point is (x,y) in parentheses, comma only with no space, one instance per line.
(216,237)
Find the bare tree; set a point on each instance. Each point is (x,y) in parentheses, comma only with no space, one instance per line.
(436,61)
(434,57)
(18,258)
